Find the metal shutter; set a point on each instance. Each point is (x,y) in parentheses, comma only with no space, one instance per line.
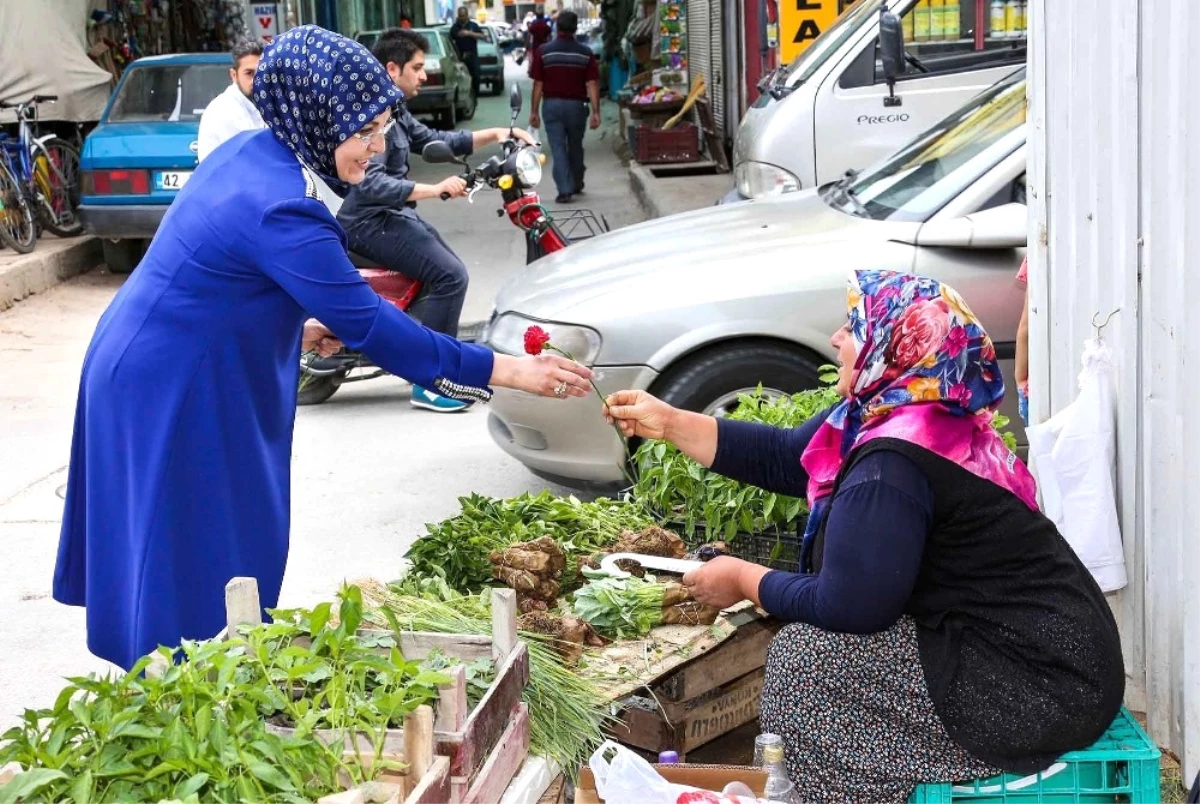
(706,54)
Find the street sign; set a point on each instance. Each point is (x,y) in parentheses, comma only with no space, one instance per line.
(801,22)
(264,21)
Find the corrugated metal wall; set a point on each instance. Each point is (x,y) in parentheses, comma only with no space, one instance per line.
(1115,201)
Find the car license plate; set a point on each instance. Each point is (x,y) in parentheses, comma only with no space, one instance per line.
(171,180)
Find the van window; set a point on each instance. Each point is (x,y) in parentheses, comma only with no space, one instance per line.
(943,37)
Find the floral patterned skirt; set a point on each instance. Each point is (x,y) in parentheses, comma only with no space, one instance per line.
(855,715)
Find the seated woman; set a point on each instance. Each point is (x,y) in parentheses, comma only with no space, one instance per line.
(940,628)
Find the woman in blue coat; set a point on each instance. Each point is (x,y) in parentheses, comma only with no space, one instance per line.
(179,477)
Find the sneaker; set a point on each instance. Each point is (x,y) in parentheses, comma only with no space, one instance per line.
(422,398)
(564,199)
(579,189)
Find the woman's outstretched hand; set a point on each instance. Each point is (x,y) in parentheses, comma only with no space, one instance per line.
(545,375)
(638,413)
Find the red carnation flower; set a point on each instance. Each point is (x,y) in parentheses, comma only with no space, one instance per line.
(535,339)
(698,797)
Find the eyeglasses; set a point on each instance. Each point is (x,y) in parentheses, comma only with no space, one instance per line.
(367,139)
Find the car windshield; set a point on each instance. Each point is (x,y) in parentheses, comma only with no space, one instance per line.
(804,65)
(489,34)
(368,39)
(170,92)
(435,41)
(922,178)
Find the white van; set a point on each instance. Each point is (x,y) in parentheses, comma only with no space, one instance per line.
(832,110)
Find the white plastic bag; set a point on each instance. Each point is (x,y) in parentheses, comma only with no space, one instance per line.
(1074,457)
(626,778)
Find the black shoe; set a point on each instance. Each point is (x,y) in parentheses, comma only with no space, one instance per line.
(579,189)
(564,199)
(322,366)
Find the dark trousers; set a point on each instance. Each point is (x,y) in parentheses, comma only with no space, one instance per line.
(566,123)
(472,62)
(402,242)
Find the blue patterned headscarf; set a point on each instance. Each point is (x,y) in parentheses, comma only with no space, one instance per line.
(314,89)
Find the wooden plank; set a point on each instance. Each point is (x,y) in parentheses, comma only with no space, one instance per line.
(452,702)
(241,604)
(485,725)
(468,647)
(418,741)
(714,142)
(744,652)
(685,727)
(504,623)
(503,763)
(434,787)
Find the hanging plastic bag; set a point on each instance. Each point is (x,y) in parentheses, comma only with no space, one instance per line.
(626,778)
(1074,457)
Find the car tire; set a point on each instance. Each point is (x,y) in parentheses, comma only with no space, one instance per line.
(318,389)
(496,88)
(450,115)
(709,381)
(122,256)
(468,111)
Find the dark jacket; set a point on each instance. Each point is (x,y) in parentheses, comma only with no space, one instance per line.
(386,186)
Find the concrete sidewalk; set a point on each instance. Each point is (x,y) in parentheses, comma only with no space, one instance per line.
(661,196)
(53,260)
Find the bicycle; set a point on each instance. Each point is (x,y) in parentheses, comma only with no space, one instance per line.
(38,180)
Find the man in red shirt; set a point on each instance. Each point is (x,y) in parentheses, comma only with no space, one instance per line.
(537,33)
(565,72)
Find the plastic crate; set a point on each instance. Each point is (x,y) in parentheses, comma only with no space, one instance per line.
(1122,766)
(775,549)
(654,146)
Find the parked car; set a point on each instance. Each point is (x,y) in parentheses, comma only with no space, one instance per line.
(831,110)
(701,307)
(447,94)
(143,150)
(507,36)
(491,62)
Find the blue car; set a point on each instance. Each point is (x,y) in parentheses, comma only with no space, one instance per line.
(143,150)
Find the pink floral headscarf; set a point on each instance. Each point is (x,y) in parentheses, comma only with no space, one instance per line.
(926,373)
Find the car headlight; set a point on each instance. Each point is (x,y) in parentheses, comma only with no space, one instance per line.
(760,180)
(507,335)
(529,167)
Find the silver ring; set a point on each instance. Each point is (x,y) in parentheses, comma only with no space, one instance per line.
(560,390)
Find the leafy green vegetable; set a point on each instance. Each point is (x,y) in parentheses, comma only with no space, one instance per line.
(620,607)
(456,549)
(200,731)
(567,713)
(680,490)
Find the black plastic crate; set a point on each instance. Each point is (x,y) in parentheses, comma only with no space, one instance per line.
(775,548)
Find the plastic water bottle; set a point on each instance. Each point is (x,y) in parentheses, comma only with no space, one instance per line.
(779,787)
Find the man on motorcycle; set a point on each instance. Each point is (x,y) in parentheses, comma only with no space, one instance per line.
(380,217)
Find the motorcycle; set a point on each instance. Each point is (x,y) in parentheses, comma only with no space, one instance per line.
(515,172)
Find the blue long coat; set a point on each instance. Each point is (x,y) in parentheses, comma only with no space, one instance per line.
(180,463)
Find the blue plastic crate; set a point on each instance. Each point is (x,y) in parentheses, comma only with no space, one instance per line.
(1122,766)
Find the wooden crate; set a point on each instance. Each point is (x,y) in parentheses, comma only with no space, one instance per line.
(702,700)
(485,746)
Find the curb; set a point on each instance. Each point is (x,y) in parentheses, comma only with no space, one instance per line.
(44,268)
(640,179)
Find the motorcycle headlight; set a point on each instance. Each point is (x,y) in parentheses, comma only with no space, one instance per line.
(507,335)
(529,167)
(760,180)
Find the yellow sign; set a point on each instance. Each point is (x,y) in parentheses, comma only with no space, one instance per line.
(801,22)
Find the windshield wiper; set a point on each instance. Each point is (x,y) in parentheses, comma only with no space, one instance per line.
(778,87)
(842,194)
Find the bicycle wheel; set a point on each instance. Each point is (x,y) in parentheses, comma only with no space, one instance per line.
(18,230)
(56,177)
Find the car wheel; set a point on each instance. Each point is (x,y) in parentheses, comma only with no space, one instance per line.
(497,88)
(122,256)
(468,111)
(450,115)
(710,381)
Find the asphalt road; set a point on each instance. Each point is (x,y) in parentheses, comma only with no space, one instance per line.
(368,469)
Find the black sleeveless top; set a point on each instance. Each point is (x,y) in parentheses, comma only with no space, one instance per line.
(1019,648)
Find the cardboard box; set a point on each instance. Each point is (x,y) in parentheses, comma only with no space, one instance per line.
(705,777)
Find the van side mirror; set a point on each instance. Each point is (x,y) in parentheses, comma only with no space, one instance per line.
(438,153)
(891,52)
(1005,226)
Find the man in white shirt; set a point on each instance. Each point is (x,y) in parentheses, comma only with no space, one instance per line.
(232,112)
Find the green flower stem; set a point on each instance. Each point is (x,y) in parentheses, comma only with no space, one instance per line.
(628,464)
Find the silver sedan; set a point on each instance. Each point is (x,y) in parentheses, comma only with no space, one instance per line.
(700,307)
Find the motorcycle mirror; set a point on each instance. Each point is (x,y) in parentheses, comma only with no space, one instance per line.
(514,99)
(438,153)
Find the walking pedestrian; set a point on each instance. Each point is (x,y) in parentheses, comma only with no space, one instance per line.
(466,33)
(565,73)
